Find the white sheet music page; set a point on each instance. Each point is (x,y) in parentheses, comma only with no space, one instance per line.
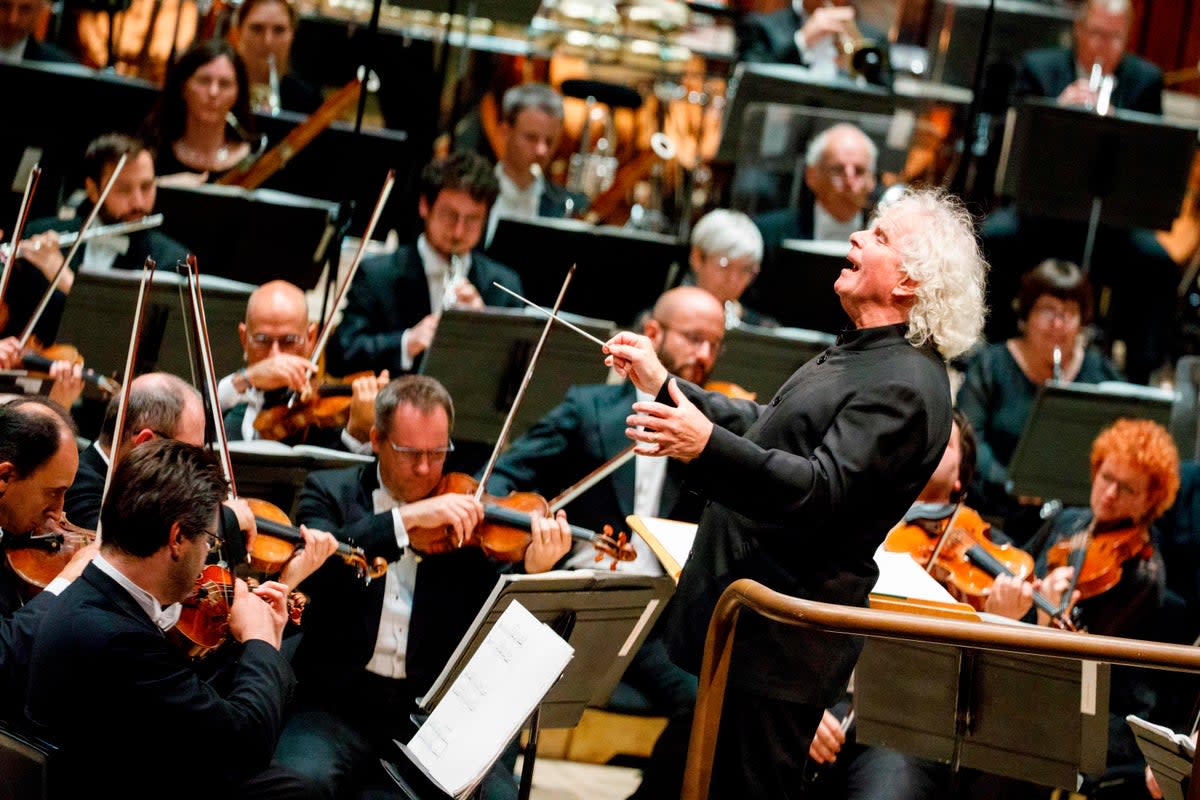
(506,678)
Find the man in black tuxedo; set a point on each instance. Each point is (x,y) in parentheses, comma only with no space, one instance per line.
(531,127)
(277,343)
(370,650)
(801,491)
(144,695)
(395,301)
(1129,261)
(809,33)
(18,18)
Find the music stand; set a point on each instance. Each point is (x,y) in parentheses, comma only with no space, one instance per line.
(761,359)
(276,472)
(18,383)
(956,34)
(956,708)
(265,234)
(1067,163)
(481,356)
(619,274)
(100,317)
(1052,457)
(797,289)
(1170,755)
(603,614)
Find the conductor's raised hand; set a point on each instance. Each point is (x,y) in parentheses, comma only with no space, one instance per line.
(633,357)
(681,432)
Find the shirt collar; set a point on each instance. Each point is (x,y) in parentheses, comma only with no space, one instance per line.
(164,618)
(381,499)
(868,338)
(435,265)
(509,187)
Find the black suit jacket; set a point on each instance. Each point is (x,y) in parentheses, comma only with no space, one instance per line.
(1046,72)
(46,52)
(801,492)
(389,295)
(341,623)
(583,432)
(142,700)
(553,202)
(16,648)
(771,39)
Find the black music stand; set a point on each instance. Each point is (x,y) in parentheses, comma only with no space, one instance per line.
(956,35)
(100,316)
(265,234)
(620,272)
(19,383)
(1066,163)
(797,288)
(276,472)
(481,356)
(761,359)
(1053,454)
(605,616)
(1037,719)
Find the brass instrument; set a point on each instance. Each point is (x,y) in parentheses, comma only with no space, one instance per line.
(863,57)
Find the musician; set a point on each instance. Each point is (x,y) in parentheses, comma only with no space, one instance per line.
(726,256)
(202,124)
(369,651)
(18,20)
(807,32)
(396,300)
(530,129)
(1130,261)
(142,694)
(131,198)
(836,457)
(265,29)
(1002,379)
(277,342)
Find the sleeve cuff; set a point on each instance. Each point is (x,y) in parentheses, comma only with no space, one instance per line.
(354,445)
(401,531)
(406,361)
(56,586)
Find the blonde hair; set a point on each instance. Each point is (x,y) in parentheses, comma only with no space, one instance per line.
(943,258)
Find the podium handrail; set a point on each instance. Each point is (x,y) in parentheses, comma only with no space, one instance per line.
(832,618)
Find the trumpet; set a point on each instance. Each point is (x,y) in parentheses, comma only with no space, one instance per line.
(863,56)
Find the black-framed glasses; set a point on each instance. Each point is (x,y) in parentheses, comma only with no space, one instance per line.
(214,540)
(414,455)
(289,341)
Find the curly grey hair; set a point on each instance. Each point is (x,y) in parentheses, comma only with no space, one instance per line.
(943,258)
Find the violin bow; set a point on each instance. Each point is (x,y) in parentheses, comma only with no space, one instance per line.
(502,439)
(79,240)
(326,327)
(35,175)
(135,337)
(937,548)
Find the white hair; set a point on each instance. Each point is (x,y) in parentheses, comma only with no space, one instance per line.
(942,256)
(728,234)
(815,152)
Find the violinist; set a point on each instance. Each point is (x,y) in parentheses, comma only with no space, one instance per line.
(396,300)
(141,697)
(265,31)
(277,341)
(369,651)
(687,328)
(131,198)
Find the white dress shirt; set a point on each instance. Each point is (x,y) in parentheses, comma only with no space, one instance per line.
(513,201)
(391,643)
(99,255)
(14,54)
(827,228)
(437,271)
(164,618)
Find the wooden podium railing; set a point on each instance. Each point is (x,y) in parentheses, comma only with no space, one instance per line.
(891,625)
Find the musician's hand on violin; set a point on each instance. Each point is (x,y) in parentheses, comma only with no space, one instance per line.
(441,523)
(467,296)
(317,547)
(549,540)
(280,371)
(362,405)
(1057,581)
(68,382)
(828,740)
(42,251)
(681,432)
(420,336)
(632,356)
(1009,597)
(249,618)
(10,353)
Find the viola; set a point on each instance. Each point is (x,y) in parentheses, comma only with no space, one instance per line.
(504,533)
(204,621)
(325,405)
(38,558)
(276,542)
(1104,550)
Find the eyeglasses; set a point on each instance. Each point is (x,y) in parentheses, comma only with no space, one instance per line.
(745,269)
(697,339)
(414,455)
(1049,313)
(214,540)
(289,341)
(453,218)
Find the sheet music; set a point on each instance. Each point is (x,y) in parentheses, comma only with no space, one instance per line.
(900,576)
(504,681)
(1171,740)
(269,447)
(670,540)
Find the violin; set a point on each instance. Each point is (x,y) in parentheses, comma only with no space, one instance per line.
(1104,549)
(38,558)
(504,533)
(203,624)
(276,541)
(38,358)
(325,405)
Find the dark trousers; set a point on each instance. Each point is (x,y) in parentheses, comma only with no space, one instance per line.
(762,747)
(671,691)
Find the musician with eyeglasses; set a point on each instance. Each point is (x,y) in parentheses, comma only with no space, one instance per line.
(726,257)
(396,300)
(369,651)
(277,341)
